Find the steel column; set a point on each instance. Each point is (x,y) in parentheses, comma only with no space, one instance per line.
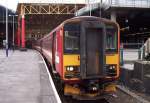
(13,33)
(23,32)
(18,33)
(7,32)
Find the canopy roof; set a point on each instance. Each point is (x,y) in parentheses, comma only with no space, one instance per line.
(54,1)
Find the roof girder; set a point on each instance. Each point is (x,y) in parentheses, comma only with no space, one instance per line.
(49,8)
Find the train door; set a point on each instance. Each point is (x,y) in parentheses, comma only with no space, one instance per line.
(92,49)
(41,46)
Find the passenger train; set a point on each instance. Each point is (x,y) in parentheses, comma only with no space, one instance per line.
(84,53)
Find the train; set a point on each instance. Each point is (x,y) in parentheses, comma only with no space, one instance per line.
(84,55)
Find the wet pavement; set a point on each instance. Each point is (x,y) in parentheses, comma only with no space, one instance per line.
(24,79)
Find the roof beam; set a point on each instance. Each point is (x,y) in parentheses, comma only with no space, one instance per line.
(50,8)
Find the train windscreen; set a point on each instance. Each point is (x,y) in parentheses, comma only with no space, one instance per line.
(111,39)
(71,38)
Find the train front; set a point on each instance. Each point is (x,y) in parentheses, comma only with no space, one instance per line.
(90,58)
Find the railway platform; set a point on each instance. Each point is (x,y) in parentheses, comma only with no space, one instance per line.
(24,78)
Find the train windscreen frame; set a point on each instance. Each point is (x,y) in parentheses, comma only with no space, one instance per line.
(72,38)
(111,39)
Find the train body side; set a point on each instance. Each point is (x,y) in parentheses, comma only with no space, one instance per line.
(51,47)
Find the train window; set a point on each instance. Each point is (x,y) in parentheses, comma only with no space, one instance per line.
(111,39)
(72,36)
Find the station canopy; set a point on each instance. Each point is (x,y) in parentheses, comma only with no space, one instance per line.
(42,16)
(54,1)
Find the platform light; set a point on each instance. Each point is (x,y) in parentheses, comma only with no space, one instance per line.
(126,20)
(6,29)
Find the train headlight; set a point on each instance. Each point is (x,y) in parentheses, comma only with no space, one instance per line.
(71,68)
(72,72)
(113,67)
(68,68)
(110,67)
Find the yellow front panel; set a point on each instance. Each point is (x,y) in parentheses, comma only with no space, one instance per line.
(75,59)
(112,59)
(72,60)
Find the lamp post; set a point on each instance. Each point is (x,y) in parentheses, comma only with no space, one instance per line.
(89,7)
(13,29)
(6,32)
(100,11)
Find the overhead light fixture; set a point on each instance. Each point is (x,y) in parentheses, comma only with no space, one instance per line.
(126,20)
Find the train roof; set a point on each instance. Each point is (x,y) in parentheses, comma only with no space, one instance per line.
(82,18)
(90,18)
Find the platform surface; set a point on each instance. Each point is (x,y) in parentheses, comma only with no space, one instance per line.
(24,78)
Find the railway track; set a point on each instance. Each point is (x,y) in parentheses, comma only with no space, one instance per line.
(121,96)
(71,100)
